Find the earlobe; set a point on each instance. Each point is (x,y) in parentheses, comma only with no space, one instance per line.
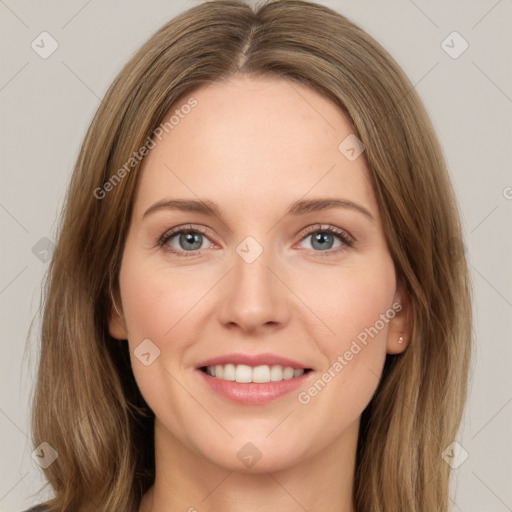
(116,322)
(396,346)
(400,326)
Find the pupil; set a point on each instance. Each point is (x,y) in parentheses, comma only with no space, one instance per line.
(322,241)
(193,239)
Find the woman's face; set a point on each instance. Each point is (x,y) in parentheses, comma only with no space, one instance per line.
(283,263)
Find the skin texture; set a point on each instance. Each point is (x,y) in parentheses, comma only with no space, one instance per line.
(254,146)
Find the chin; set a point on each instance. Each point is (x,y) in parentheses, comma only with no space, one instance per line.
(259,455)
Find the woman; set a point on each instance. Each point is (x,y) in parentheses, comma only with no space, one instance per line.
(259,297)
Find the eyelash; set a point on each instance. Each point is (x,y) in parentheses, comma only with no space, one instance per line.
(343,236)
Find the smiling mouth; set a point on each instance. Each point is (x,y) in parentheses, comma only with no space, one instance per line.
(245,374)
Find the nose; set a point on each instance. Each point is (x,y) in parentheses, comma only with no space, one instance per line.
(253,300)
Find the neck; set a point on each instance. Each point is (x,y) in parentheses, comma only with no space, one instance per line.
(189,482)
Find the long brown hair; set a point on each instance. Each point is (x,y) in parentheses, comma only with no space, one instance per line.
(87,405)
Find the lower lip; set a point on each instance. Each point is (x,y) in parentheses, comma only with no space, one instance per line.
(253,392)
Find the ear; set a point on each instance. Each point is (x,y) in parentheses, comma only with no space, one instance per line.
(116,322)
(400,326)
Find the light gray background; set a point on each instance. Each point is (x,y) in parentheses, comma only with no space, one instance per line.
(47,104)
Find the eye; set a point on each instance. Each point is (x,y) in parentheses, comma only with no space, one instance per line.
(185,239)
(326,238)
(190,240)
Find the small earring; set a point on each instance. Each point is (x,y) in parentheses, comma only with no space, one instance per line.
(401,339)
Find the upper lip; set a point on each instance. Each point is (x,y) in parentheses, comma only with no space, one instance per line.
(252,360)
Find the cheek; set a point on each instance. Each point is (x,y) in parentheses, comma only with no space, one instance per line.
(355,306)
(158,305)
(155,299)
(350,300)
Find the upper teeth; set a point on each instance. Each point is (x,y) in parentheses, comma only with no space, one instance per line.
(261,374)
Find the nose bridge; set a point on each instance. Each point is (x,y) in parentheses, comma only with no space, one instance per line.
(254,297)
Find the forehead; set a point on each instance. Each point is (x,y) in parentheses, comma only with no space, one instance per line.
(253,141)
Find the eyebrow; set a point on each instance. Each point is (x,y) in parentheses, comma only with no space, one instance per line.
(300,207)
